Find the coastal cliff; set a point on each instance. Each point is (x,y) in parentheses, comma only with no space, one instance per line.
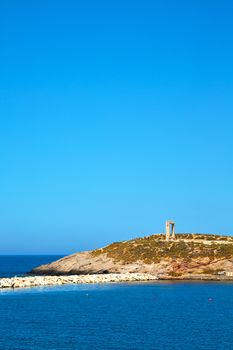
(191,256)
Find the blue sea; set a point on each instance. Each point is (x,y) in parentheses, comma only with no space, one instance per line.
(137,316)
(13,265)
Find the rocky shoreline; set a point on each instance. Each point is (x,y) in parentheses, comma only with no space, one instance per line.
(51,280)
(41,281)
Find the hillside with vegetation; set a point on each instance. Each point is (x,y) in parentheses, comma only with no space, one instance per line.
(154,248)
(188,255)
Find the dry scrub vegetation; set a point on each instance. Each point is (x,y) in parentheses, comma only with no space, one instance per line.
(154,248)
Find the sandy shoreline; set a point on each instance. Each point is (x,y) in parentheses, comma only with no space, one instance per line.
(38,281)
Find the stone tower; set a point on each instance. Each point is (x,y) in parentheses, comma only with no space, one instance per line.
(170,230)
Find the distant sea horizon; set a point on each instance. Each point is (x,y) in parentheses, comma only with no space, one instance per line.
(20,264)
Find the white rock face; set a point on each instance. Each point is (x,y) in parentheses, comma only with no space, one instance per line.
(35,281)
(85,263)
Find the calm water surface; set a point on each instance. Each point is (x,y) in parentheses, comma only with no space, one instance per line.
(118,316)
(11,265)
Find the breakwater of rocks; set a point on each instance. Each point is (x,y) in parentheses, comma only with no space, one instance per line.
(40,281)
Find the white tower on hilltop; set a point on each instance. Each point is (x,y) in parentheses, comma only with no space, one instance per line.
(170,230)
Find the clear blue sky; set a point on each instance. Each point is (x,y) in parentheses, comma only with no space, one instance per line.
(114,116)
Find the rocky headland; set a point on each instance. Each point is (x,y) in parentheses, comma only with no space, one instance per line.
(191,256)
(188,256)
